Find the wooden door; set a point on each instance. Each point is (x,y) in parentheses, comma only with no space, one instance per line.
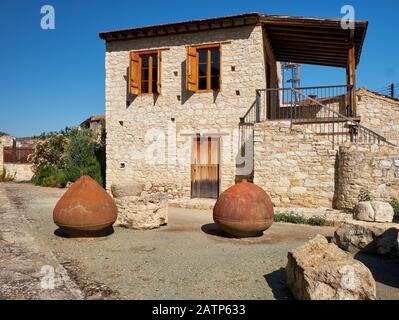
(205,159)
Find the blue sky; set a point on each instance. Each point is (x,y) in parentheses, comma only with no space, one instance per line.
(51,79)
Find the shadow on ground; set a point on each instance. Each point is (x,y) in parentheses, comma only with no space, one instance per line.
(102,234)
(385,269)
(213,230)
(278,283)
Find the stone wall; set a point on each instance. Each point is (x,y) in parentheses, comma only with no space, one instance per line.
(379,113)
(294,167)
(375,168)
(23,172)
(136,124)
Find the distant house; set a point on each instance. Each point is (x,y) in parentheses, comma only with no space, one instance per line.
(210,93)
(94,123)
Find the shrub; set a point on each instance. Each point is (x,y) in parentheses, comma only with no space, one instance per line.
(50,176)
(298,219)
(289,218)
(395,205)
(349,210)
(49,152)
(7,177)
(80,156)
(317,221)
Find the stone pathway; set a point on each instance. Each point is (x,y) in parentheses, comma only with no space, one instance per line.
(28,269)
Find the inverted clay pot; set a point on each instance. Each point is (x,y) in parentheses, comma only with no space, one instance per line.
(244,210)
(85,209)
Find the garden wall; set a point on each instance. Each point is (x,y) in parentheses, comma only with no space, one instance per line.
(23,172)
(293,166)
(375,168)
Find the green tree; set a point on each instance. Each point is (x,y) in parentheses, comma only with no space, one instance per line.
(80,156)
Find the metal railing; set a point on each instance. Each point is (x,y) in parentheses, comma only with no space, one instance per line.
(323,111)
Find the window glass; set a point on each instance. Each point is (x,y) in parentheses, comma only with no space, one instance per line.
(145,60)
(203,55)
(144,86)
(149,70)
(208,75)
(202,84)
(145,74)
(202,69)
(154,87)
(215,56)
(215,83)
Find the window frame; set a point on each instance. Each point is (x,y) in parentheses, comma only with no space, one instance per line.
(149,53)
(209,47)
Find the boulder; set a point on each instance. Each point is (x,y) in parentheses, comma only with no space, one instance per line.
(383,211)
(373,237)
(147,211)
(126,189)
(373,211)
(85,209)
(319,270)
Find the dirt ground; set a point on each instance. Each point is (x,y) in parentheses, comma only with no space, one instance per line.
(188,259)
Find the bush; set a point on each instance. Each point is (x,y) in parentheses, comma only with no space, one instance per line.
(317,221)
(298,219)
(80,156)
(49,152)
(50,176)
(7,177)
(289,218)
(395,205)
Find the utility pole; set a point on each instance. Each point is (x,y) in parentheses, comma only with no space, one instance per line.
(392,90)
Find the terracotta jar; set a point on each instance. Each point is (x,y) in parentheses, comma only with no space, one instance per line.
(244,210)
(85,209)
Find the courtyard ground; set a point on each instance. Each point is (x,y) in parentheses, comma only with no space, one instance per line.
(188,259)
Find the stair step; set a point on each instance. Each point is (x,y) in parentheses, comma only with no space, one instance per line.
(324,120)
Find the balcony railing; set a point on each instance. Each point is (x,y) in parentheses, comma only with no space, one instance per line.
(324,111)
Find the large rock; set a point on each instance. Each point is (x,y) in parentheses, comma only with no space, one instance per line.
(85,209)
(143,211)
(373,211)
(355,236)
(319,270)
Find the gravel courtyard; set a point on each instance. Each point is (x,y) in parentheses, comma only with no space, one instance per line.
(188,259)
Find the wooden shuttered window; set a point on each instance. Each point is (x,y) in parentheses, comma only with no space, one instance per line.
(203,66)
(192,69)
(142,74)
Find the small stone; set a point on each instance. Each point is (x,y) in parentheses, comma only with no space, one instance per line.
(319,270)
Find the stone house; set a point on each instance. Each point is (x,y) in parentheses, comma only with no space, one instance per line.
(192,107)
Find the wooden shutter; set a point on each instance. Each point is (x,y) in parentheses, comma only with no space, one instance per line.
(134,73)
(192,69)
(159,80)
